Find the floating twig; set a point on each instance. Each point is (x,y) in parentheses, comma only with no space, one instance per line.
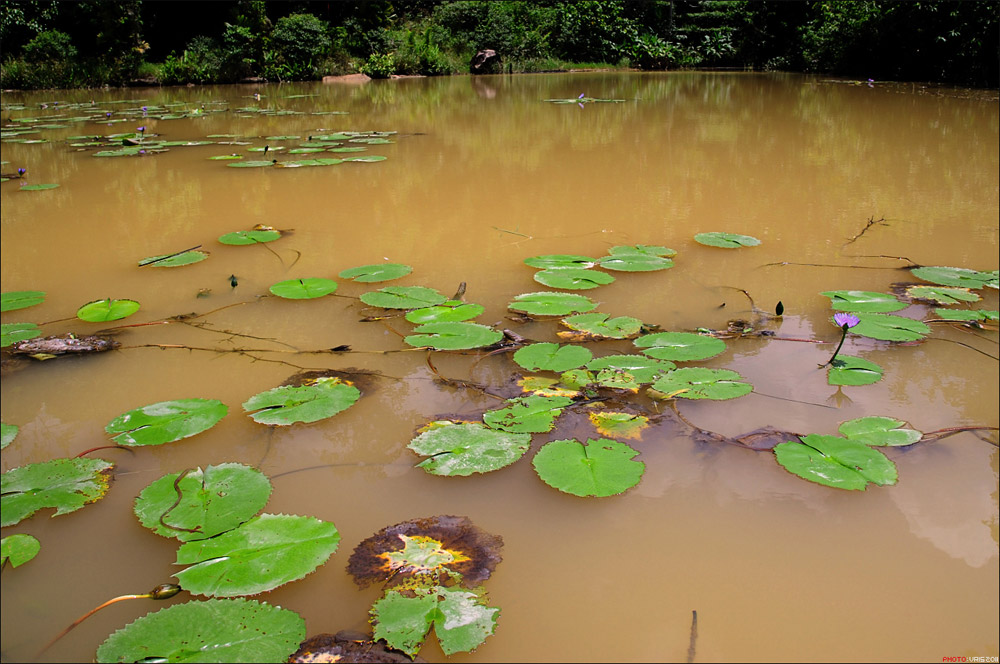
(694,636)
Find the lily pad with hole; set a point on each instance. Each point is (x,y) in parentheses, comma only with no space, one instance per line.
(197,504)
(450,311)
(849,370)
(702,383)
(863,301)
(304,403)
(464,448)
(304,289)
(377,272)
(968,315)
(726,240)
(552,357)
(18,549)
(956,276)
(640,368)
(551,304)
(9,434)
(880,431)
(403,297)
(102,311)
(166,421)
(175,260)
(262,554)
(531,414)
(448,335)
(836,462)
(11,333)
(461,619)
(572,278)
(619,425)
(63,484)
(216,630)
(941,294)
(13,300)
(603,326)
(560,261)
(887,327)
(680,346)
(598,468)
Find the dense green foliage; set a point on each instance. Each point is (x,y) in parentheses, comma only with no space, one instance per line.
(114,42)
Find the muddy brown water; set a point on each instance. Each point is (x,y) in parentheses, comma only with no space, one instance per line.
(482,174)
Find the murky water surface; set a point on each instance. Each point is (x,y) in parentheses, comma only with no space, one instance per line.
(843,184)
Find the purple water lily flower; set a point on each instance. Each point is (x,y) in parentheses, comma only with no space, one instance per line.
(141,130)
(107,114)
(845,320)
(21,172)
(580,104)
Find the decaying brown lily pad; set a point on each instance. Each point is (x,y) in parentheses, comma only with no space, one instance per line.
(437,549)
(44,348)
(345,646)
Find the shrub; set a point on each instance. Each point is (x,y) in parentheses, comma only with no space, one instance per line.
(379,65)
(49,46)
(299,42)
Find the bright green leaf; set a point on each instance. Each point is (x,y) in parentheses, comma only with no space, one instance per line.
(557,261)
(378,272)
(460,619)
(451,311)
(551,304)
(166,421)
(18,549)
(879,431)
(175,260)
(600,325)
(701,383)
(572,279)
(942,294)
(464,448)
(65,484)
(304,289)
(102,311)
(531,414)
(968,315)
(836,462)
(239,238)
(14,300)
(11,333)
(9,434)
(403,297)
(453,336)
(863,301)
(304,403)
(552,357)
(600,468)
(726,240)
(635,262)
(890,328)
(680,346)
(640,368)
(956,276)
(849,370)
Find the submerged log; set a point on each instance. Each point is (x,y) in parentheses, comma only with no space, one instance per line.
(44,348)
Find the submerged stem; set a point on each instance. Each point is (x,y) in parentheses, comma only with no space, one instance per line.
(839,346)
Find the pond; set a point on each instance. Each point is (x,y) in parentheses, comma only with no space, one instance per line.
(845,185)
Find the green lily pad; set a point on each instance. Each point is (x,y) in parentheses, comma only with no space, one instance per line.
(701,383)
(65,484)
(632,259)
(619,425)
(227,157)
(956,276)
(377,272)
(264,553)
(242,238)
(460,619)
(197,504)
(879,431)
(304,289)
(403,297)
(102,311)
(552,357)
(632,368)
(726,240)
(551,304)
(863,301)
(14,300)
(175,260)
(451,335)
(9,434)
(849,370)
(968,314)
(942,294)
(287,404)
(255,163)
(166,421)
(572,279)
(18,549)
(680,346)
(887,327)
(451,311)
(558,261)
(531,414)
(647,249)
(464,448)
(38,187)
(367,159)
(836,462)
(216,630)
(601,325)
(600,468)
(11,333)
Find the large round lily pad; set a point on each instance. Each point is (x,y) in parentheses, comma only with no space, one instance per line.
(464,448)
(166,421)
(598,468)
(680,346)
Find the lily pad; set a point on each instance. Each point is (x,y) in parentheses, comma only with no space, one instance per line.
(264,553)
(879,431)
(619,425)
(216,630)
(639,368)
(863,301)
(102,311)
(242,238)
(175,260)
(531,414)
(624,260)
(558,261)
(9,434)
(18,549)
(305,403)
(11,333)
(849,370)
(956,276)
(942,294)
(453,336)
(64,484)
(403,297)
(680,346)
(969,315)
(551,304)
(38,187)
(196,504)
(601,325)
(647,249)
(701,383)
(836,462)
(464,448)
(726,240)
(304,289)
(166,421)
(599,468)
(572,279)
(887,327)
(552,357)
(14,300)
(450,311)
(377,272)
